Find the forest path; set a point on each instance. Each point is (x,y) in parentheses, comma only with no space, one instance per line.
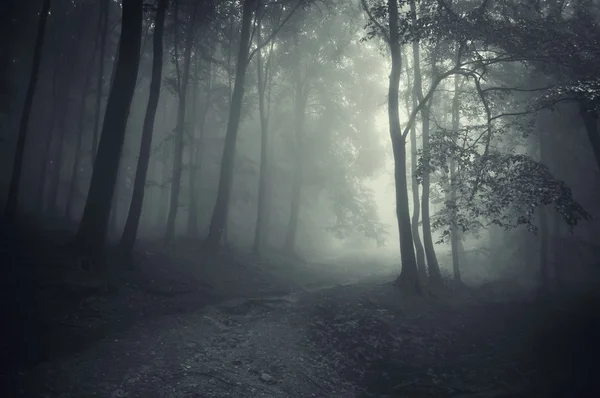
(184,335)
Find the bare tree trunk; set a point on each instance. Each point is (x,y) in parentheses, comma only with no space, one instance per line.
(180,132)
(139,185)
(92,230)
(432,263)
(409,276)
(219,217)
(420,252)
(103,27)
(10,210)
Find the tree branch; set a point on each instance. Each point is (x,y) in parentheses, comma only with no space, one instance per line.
(275,31)
(382,30)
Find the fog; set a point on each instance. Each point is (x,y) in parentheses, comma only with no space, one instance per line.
(444,146)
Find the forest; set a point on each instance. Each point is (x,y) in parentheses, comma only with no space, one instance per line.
(300,198)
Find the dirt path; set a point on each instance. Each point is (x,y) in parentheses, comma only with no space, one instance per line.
(358,340)
(192,325)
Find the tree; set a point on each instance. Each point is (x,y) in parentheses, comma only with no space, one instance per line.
(137,199)
(409,277)
(419,250)
(13,192)
(92,231)
(219,216)
(182,88)
(432,263)
(264,75)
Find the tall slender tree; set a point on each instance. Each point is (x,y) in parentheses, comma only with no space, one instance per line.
(409,276)
(182,88)
(92,230)
(137,199)
(13,191)
(411,103)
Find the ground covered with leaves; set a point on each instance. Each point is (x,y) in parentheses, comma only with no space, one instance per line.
(182,323)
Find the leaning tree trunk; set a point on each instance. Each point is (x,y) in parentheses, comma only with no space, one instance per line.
(420,252)
(219,216)
(94,222)
(13,190)
(139,185)
(179,133)
(409,276)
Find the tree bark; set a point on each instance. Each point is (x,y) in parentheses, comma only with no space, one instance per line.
(13,191)
(139,185)
(92,230)
(409,276)
(180,132)
(219,216)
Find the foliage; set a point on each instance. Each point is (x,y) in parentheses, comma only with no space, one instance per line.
(498,188)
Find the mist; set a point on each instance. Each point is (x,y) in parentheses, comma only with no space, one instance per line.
(244,159)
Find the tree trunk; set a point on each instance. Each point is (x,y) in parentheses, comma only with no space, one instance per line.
(103,27)
(139,185)
(455,236)
(302,87)
(262,77)
(180,132)
(196,170)
(94,222)
(409,276)
(420,252)
(432,263)
(219,215)
(13,191)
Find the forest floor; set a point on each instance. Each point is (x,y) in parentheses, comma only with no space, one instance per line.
(184,323)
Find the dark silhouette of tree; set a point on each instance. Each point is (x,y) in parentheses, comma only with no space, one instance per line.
(409,276)
(13,192)
(94,223)
(183,78)
(137,199)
